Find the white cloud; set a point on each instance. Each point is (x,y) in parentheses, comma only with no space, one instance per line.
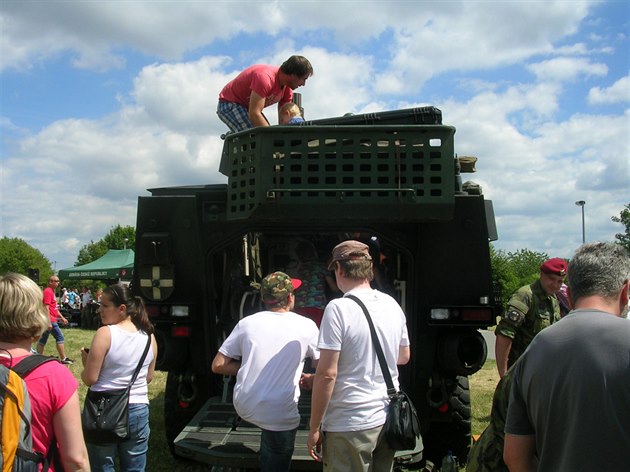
(181,96)
(476,35)
(562,69)
(619,92)
(429,37)
(535,178)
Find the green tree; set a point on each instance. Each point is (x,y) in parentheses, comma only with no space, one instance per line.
(512,270)
(119,237)
(16,255)
(624,219)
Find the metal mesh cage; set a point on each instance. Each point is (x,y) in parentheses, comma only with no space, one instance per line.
(389,170)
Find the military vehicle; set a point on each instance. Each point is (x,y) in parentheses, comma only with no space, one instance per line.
(392,178)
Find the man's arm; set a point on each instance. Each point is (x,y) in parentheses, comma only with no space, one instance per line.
(519,453)
(323,385)
(404,354)
(502,347)
(225,365)
(255,110)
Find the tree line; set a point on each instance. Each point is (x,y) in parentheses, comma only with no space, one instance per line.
(16,255)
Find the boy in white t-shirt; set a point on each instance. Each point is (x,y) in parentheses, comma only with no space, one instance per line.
(266,353)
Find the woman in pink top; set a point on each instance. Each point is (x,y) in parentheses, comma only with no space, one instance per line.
(52,388)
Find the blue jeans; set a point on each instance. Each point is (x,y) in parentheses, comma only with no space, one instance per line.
(132,453)
(55,331)
(276,450)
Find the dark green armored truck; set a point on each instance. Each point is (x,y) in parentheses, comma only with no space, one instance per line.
(393,177)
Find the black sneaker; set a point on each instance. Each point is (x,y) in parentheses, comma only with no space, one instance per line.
(67,360)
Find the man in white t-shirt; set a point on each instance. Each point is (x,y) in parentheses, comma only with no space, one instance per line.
(350,398)
(266,353)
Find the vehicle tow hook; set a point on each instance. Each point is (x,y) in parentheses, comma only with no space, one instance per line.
(438,399)
(186,390)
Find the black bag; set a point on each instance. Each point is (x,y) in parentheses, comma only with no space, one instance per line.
(105,416)
(402,426)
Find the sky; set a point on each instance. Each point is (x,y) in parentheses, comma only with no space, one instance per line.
(102,100)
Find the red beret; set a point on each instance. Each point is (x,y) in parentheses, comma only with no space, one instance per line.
(556,266)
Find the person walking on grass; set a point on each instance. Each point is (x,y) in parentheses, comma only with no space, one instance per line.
(53,327)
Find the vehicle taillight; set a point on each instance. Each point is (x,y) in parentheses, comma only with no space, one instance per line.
(463,313)
(152,311)
(178,311)
(477,314)
(181,331)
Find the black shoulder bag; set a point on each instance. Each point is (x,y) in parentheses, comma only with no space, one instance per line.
(105,416)
(402,427)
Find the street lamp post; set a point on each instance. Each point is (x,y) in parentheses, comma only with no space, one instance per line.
(125,240)
(581,203)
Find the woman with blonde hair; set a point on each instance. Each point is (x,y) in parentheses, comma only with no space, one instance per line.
(110,362)
(56,417)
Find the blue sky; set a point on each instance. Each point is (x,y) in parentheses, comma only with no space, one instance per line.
(100,100)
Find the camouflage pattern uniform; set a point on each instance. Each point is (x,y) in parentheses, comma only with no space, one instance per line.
(528,312)
(486,455)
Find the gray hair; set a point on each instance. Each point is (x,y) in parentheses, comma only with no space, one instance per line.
(598,269)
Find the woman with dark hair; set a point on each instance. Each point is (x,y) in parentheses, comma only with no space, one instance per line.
(109,364)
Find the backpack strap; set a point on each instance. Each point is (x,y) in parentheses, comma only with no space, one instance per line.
(30,363)
(23,368)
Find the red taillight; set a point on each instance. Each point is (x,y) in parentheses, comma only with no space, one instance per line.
(477,314)
(181,331)
(152,310)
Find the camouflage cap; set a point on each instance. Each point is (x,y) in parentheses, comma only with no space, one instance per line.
(276,287)
(350,251)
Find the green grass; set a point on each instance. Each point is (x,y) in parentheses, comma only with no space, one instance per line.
(159,458)
(482,385)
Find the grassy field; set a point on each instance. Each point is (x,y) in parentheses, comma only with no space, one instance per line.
(160,459)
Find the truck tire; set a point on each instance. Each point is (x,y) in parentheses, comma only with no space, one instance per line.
(453,434)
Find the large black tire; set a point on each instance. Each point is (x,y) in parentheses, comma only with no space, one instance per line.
(453,435)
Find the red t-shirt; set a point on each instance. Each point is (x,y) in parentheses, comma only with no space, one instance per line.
(51,302)
(50,386)
(263,80)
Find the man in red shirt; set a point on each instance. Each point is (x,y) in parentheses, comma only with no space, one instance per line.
(51,302)
(241,102)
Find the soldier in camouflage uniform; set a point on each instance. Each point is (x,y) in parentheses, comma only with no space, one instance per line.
(530,309)
(486,455)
